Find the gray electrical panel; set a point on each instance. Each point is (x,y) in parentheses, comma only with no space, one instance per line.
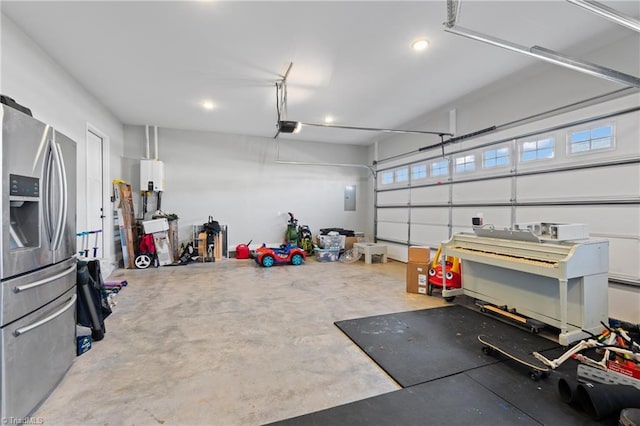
(350,198)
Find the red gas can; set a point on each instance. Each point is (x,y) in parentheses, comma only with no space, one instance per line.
(242,251)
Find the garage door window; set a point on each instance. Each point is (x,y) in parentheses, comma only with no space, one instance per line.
(440,168)
(537,150)
(387,178)
(465,164)
(495,158)
(593,139)
(419,171)
(402,175)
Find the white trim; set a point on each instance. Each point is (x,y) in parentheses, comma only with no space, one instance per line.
(107,230)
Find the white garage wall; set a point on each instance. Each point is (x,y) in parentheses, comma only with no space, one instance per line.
(35,80)
(236,180)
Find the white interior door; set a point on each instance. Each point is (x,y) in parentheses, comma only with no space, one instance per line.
(95,196)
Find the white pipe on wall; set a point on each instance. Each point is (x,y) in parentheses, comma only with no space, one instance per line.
(453,122)
(155,129)
(146,131)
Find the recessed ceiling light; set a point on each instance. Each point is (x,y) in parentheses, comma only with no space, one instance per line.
(208,105)
(328,119)
(420,44)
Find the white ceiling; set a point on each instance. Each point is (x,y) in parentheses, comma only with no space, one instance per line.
(154,62)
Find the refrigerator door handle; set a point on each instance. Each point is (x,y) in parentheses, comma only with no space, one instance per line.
(45,320)
(62,207)
(21,288)
(46,194)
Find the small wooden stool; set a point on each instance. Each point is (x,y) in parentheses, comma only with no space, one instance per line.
(371,248)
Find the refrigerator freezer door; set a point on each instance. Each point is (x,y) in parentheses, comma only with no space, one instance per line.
(65,239)
(27,293)
(25,243)
(37,351)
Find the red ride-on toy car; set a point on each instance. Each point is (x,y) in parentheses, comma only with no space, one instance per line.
(452,273)
(285,254)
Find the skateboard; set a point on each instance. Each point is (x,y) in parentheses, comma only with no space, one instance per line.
(537,370)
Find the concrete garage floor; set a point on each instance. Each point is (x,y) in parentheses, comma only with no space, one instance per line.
(231,343)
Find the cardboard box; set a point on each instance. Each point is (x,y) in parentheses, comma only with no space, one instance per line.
(350,241)
(419,254)
(417,277)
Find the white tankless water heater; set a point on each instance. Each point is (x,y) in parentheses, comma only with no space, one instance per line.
(151,175)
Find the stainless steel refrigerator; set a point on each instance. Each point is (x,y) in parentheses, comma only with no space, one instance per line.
(38,267)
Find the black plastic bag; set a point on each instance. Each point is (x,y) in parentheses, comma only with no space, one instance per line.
(92,308)
(211,227)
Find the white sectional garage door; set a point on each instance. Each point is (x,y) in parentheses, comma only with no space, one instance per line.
(557,170)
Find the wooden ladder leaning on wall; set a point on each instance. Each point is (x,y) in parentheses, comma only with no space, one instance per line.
(126,222)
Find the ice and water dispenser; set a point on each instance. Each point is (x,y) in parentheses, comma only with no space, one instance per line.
(24,204)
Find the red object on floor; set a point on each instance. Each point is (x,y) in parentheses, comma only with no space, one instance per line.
(242,251)
(452,272)
(147,244)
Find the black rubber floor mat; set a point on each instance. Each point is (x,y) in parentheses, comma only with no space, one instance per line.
(455,400)
(539,399)
(418,346)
